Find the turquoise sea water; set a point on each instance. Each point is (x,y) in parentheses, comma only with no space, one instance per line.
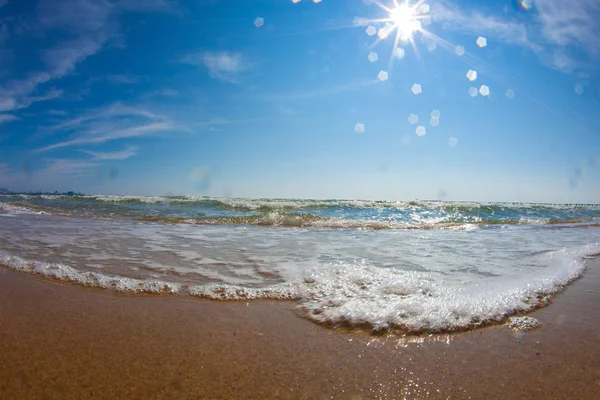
(385,265)
(320,213)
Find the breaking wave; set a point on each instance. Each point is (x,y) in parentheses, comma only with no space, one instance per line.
(250,204)
(357,294)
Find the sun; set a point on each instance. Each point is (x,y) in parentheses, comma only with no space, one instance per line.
(405,20)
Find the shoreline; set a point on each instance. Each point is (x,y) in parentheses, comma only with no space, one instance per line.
(146,287)
(67,342)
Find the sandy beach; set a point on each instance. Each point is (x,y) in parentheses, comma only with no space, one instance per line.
(299,199)
(60,341)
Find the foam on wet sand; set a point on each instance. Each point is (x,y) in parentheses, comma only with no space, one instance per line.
(67,342)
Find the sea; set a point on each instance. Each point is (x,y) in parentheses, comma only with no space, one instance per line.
(381,266)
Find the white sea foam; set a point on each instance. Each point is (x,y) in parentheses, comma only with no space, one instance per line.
(141,199)
(406,280)
(9,209)
(359,294)
(281,204)
(522,323)
(68,274)
(283,219)
(287,291)
(534,221)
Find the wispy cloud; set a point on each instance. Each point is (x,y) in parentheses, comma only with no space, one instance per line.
(161,93)
(4,34)
(111,123)
(115,155)
(560,29)
(148,5)
(7,118)
(88,25)
(478,23)
(123,79)
(111,111)
(322,92)
(283,110)
(74,16)
(61,113)
(54,171)
(18,94)
(3,2)
(106,136)
(60,166)
(5,174)
(225,66)
(54,174)
(218,121)
(26,101)
(571,23)
(562,61)
(571,27)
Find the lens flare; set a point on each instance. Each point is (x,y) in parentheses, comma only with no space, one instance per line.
(405,21)
(525,4)
(402,21)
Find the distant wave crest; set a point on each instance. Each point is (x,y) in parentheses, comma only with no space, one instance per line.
(251,204)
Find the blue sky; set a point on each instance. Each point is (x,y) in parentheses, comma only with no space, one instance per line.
(269,98)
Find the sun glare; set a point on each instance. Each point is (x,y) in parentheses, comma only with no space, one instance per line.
(402,22)
(405,21)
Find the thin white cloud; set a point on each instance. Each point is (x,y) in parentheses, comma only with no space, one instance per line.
(77,16)
(218,121)
(111,111)
(115,155)
(106,136)
(4,34)
(61,113)
(123,79)
(161,93)
(113,122)
(573,28)
(89,26)
(478,23)
(5,175)
(225,66)
(3,2)
(55,173)
(147,5)
(18,94)
(561,31)
(7,103)
(59,166)
(562,61)
(24,102)
(62,59)
(322,92)
(49,95)
(7,118)
(571,23)
(283,110)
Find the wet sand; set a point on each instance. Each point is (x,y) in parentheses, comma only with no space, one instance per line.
(59,341)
